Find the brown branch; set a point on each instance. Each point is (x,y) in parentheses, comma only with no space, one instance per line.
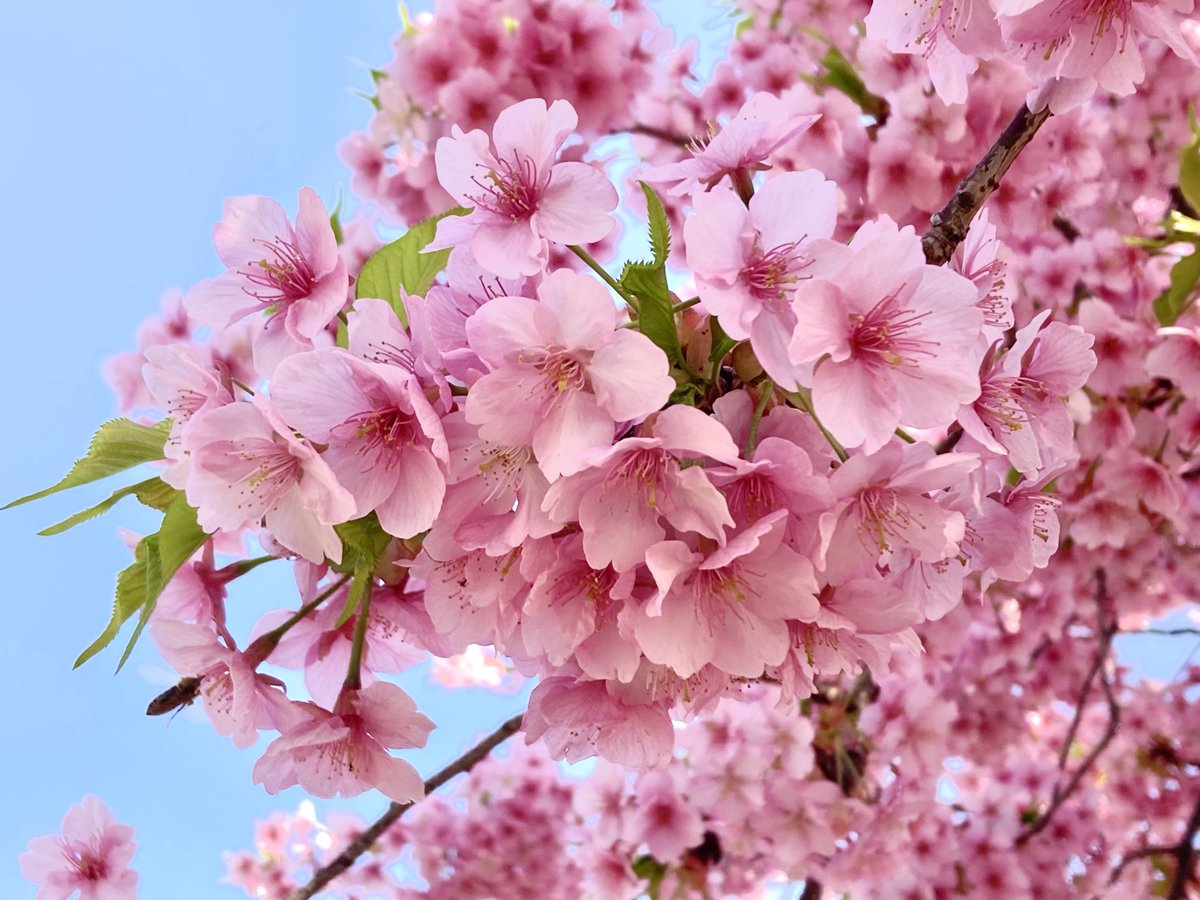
(949,226)
(662,134)
(1183,851)
(1107,628)
(812,890)
(363,842)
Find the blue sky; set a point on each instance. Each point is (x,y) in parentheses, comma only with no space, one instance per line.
(128,125)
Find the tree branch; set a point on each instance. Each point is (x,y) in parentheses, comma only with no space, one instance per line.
(1183,851)
(949,226)
(363,842)
(1107,628)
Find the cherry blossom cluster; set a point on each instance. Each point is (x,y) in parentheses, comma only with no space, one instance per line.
(771,526)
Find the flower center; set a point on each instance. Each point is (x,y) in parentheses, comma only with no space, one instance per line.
(87,860)
(262,469)
(646,471)
(882,336)
(511,190)
(770,274)
(882,515)
(282,276)
(382,432)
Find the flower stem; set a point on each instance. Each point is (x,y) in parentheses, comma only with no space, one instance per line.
(768,388)
(801,401)
(263,645)
(354,670)
(608,279)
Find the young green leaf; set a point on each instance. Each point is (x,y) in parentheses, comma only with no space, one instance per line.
(363,543)
(119,445)
(648,282)
(152,492)
(401,265)
(1189,166)
(659,224)
(179,537)
(1172,302)
(157,558)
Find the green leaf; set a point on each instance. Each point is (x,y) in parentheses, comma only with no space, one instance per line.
(1189,166)
(157,558)
(152,492)
(660,225)
(363,543)
(652,872)
(838,73)
(1172,302)
(119,445)
(721,342)
(401,265)
(648,282)
(179,537)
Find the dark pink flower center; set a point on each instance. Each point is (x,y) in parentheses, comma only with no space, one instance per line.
(770,274)
(86,859)
(584,583)
(383,432)
(503,469)
(512,189)
(752,497)
(282,276)
(883,336)
(646,471)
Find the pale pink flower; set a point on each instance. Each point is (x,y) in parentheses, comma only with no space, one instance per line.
(1177,358)
(977,258)
(384,441)
(182,384)
(728,607)
(763,125)
(747,261)
(665,821)
(950,34)
(236,698)
(91,856)
(882,506)
(893,340)
(1072,47)
(247,466)
(520,195)
(1021,410)
(494,495)
(375,334)
(296,273)
(344,753)
(622,498)
(578,719)
(564,372)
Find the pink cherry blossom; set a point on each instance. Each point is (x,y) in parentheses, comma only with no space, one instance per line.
(91,856)
(520,195)
(747,261)
(247,466)
(384,441)
(890,339)
(564,373)
(728,607)
(763,125)
(1021,410)
(344,753)
(882,505)
(295,273)
(627,490)
(237,699)
(182,384)
(1079,45)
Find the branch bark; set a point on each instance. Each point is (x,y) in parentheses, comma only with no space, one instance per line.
(949,227)
(363,842)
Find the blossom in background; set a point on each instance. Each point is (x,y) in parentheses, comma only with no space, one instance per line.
(91,856)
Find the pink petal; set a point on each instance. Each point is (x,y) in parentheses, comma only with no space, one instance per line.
(630,376)
(576,206)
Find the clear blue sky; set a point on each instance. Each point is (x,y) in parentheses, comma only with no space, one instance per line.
(127,124)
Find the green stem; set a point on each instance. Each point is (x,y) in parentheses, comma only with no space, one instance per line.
(245,566)
(800,400)
(768,388)
(686,304)
(354,670)
(608,279)
(271,638)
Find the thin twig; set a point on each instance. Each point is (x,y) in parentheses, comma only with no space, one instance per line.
(812,890)
(1107,628)
(363,842)
(662,134)
(949,227)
